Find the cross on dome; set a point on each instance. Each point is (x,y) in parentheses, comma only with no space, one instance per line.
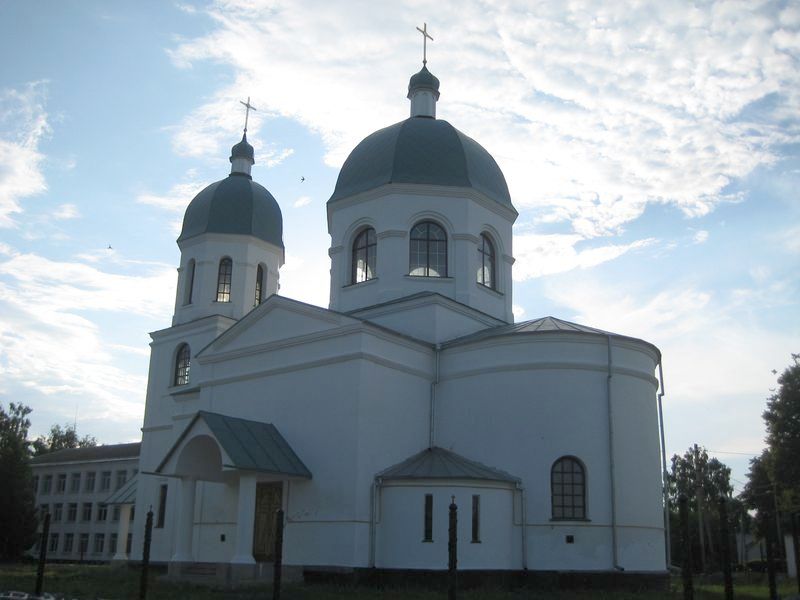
(248,108)
(425,37)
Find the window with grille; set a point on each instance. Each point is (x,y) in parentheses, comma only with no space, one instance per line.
(224,280)
(428,246)
(105,481)
(89,484)
(486,262)
(182,363)
(568,488)
(68,540)
(53,545)
(75,483)
(86,515)
(365,248)
(259,286)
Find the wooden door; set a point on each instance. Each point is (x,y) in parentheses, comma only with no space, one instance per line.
(268,500)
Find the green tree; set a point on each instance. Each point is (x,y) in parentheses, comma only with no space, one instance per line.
(60,438)
(17,510)
(782,418)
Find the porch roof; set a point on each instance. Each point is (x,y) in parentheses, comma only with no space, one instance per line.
(438,463)
(126,494)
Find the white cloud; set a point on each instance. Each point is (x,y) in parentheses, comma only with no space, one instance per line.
(700,236)
(518,311)
(302,201)
(65,211)
(23,124)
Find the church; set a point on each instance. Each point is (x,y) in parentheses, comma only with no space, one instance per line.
(415,388)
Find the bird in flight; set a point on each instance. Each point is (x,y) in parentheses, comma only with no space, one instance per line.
(302,179)
(109,247)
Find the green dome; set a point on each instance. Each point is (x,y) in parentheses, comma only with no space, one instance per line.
(235,205)
(423,80)
(425,151)
(243,150)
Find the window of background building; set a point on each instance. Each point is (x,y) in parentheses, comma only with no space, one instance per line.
(122,477)
(99,542)
(61,484)
(57,511)
(83,543)
(102,512)
(48,484)
(53,545)
(72,511)
(68,540)
(105,481)
(89,483)
(35,484)
(75,483)
(112,543)
(115,513)
(86,515)
(476,519)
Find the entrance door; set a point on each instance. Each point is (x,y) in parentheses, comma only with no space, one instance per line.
(268,501)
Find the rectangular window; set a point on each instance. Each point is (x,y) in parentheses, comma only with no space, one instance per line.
(428,534)
(83,544)
(72,512)
(122,477)
(115,513)
(61,485)
(128,543)
(68,541)
(35,484)
(102,512)
(105,481)
(476,519)
(99,542)
(224,280)
(162,506)
(53,545)
(57,510)
(75,483)
(112,544)
(86,515)
(48,484)
(43,510)
(133,513)
(89,483)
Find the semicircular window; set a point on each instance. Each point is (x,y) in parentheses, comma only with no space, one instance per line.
(568,489)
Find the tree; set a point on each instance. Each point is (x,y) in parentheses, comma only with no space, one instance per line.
(703,481)
(17,509)
(60,438)
(782,418)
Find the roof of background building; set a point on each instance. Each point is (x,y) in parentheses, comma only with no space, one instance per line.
(109,452)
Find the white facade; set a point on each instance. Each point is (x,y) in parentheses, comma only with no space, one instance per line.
(397,365)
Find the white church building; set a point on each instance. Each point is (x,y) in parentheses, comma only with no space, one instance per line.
(415,387)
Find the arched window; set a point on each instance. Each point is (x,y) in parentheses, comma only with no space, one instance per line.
(182,364)
(365,248)
(259,285)
(568,489)
(189,283)
(428,250)
(224,280)
(486,262)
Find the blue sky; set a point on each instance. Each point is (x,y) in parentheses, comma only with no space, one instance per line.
(653,152)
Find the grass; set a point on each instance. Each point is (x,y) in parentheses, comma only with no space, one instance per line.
(89,582)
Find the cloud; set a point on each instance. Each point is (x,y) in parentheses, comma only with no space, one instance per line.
(546,254)
(65,211)
(50,339)
(302,201)
(23,125)
(700,236)
(175,200)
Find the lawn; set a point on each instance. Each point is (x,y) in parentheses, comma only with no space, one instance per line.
(88,582)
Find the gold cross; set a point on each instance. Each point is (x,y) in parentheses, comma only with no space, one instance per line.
(248,108)
(425,38)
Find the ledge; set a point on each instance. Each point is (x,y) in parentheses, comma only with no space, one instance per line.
(183,391)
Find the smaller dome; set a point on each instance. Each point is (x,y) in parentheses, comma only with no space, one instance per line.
(243,150)
(423,80)
(235,205)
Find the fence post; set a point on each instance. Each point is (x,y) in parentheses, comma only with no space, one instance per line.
(773,590)
(42,554)
(452,550)
(148,536)
(686,542)
(726,547)
(276,577)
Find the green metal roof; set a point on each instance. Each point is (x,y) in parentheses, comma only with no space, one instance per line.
(243,150)
(421,150)
(251,445)
(425,80)
(236,205)
(126,494)
(438,463)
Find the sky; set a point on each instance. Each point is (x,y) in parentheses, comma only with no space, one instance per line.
(652,150)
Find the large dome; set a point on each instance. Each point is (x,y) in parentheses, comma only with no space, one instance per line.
(236,205)
(421,150)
